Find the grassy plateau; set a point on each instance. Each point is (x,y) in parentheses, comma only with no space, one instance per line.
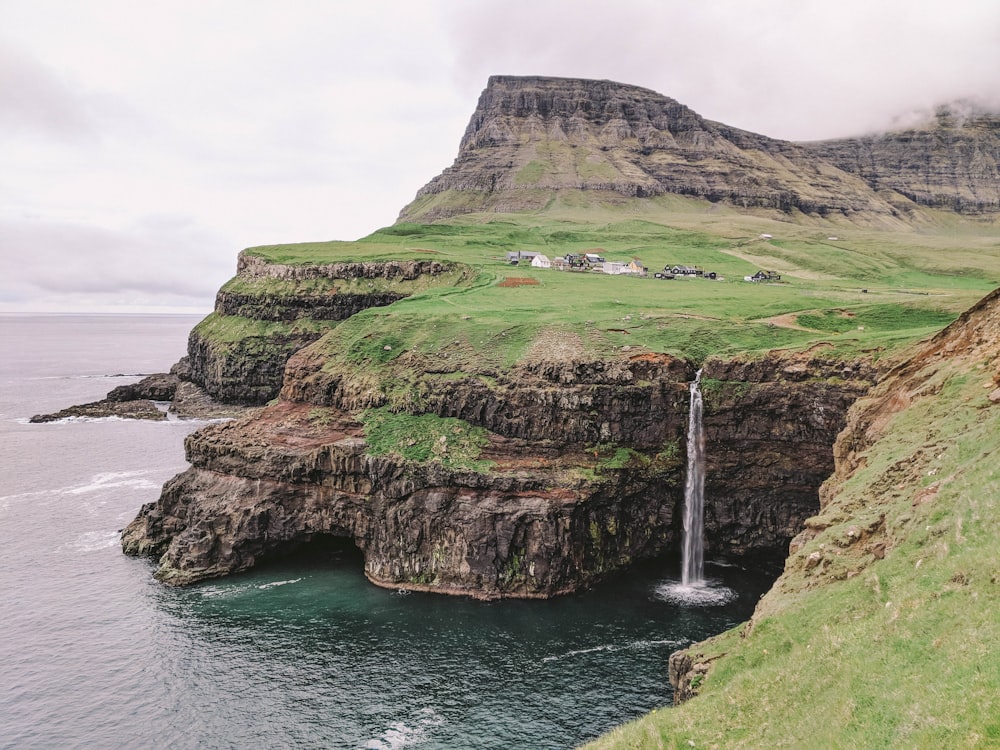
(862,290)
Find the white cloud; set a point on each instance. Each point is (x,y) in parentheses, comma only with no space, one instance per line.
(786,68)
(34,99)
(160,261)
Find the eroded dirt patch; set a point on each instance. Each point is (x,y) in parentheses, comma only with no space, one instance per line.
(512,281)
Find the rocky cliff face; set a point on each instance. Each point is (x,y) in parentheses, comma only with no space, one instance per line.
(552,514)
(252,493)
(951,161)
(769,427)
(581,469)
(269,311)
(909,502)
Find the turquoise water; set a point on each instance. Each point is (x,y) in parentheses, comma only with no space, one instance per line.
(303,652)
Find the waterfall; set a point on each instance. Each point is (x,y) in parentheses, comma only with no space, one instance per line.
(693,560)
(694,589)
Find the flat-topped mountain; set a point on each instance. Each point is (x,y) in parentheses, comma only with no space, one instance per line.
(530,137)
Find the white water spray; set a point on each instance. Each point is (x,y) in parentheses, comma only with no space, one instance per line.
(693,560)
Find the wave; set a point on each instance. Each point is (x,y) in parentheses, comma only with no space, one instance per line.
(272,585)
(172,419)
(399,734)
(613,647)
(92,541)
(79,420)
(97,483)
(222,592)
(6,500)
(112,479)
(89,377)
(230,590)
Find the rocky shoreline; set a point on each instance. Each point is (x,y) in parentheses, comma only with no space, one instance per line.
(151,398)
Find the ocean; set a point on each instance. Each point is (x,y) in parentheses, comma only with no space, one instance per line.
(302,653)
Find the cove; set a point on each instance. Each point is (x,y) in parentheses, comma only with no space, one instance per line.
(361,666)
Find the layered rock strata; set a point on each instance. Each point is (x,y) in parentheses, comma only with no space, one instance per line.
(951,160)
(897,433)
(546,518)
(270,310)
(530,136)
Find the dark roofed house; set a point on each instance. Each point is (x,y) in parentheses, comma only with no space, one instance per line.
(763,276)
(516,256)
(683,270)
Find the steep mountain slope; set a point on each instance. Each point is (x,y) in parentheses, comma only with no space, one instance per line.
(882,630)
(530,137)
(951,160)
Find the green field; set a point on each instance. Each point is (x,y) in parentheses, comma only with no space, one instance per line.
(856,288)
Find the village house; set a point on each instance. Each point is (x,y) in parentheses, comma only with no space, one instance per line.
(683,270)
(763,276)
(541,261)
(637,268)
(516,256)
(614,268)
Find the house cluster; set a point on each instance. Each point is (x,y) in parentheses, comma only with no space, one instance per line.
(576,262)
(672,272)
(595,262)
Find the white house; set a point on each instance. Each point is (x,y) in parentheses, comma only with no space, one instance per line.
(541,261)
(615,268)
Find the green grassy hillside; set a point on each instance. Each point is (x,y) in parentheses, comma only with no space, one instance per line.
(882,631)
(858,289)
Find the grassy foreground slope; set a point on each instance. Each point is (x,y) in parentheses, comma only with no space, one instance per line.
(883,629)
(859,289)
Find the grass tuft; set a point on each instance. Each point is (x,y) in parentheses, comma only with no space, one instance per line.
(425,437)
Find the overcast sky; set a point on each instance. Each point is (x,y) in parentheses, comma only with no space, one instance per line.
(143,144)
